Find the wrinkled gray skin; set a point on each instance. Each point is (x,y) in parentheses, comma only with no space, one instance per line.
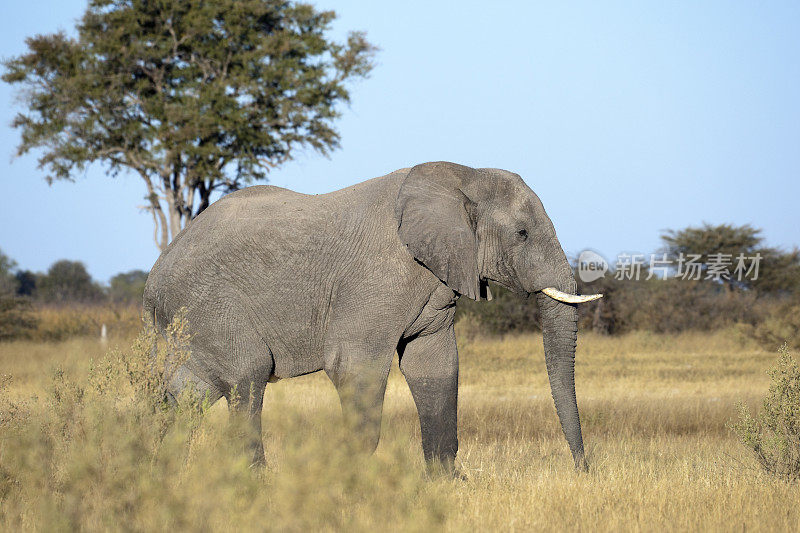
(278,284)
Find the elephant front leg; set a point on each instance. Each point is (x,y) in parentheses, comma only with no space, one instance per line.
(430,366)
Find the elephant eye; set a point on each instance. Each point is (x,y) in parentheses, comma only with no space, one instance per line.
(523,234)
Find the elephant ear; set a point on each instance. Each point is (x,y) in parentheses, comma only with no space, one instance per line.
(436,221)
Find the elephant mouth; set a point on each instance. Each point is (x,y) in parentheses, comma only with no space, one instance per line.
(568,298)
(517,289)
(552,292)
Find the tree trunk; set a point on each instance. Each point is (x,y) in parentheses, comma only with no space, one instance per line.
(173,195)
(159,219)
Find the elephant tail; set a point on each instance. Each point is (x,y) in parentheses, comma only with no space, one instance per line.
(150,321)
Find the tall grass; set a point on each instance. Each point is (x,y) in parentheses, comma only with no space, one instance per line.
(86,453)
(57,323)
(22,319)
(101,451)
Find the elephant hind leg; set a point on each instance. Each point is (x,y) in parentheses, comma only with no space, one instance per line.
(360,379)
(255,364)
(246,401)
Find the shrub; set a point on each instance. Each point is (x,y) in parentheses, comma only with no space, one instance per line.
(16,317)
(127,287)
(782,325)
(774,434)
(58,323)
(666,306)
(659,306)
(506,313)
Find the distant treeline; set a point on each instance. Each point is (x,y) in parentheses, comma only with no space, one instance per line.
(68,282)
(695,294)
(66,302)
(766,308)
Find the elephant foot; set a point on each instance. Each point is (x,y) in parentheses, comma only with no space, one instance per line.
(258,460)
(459,475)
(258,463)
(438,469)
(581,464)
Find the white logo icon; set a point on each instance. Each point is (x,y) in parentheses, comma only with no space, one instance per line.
(591,266)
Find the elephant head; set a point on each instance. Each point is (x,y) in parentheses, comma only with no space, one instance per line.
(468,226)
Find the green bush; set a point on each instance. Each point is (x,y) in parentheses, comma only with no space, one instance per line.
(17,319)
(658,306)
(506,313)
(773,434)
(127,287)
(781,325)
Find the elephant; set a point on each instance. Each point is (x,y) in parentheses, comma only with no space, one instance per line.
(276,284)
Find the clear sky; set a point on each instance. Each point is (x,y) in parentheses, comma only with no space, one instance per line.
(626,118)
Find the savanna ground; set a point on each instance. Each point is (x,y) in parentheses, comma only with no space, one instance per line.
(77,453)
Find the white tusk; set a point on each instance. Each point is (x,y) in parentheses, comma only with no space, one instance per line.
(556,294)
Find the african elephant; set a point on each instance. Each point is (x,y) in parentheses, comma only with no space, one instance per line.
(277,284)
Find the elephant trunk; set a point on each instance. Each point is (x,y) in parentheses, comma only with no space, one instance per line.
(560,328)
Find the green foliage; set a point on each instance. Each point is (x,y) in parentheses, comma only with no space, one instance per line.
(707,239)
(674,305)
(193,96)
(506,313)
(779,271)
(102,452)
(127,287)
(15,312)
(659,306)
(26,282)
(66,302)
(781,325)
(774,433)
(665,306)
(17,319)
(604,316)
(68,281)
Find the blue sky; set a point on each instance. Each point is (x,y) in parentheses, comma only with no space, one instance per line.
(626,118)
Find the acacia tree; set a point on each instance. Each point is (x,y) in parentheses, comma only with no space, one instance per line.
(193,96)
(779,270)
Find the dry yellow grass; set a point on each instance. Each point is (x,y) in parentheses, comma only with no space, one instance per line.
(654,411)
(55,323)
